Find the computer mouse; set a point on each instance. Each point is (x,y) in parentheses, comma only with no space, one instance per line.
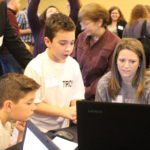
(64,134)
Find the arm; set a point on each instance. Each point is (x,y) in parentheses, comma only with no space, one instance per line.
(51,110)
(22,23)
(33,18)
(25,31)
(74,9)
(47,108)
(102,89)
(14,44)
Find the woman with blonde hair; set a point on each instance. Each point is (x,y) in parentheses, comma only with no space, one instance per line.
(128,82)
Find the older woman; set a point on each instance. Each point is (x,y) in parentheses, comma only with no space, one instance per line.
(94,46)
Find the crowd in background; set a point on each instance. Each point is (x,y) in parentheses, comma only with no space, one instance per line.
(93,54)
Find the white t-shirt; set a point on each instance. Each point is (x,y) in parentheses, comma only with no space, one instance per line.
(5,135)
(8,135)
(60,83)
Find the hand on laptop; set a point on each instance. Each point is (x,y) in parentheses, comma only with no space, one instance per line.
(70,113)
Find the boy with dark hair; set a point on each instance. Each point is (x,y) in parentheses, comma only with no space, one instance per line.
(17,93)
(58,74)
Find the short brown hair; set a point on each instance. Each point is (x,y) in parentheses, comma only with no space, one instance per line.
(93,12)
(57,22)
(14,86)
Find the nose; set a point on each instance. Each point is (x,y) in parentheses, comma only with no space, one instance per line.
(69,47)
(126,64)
(33,107)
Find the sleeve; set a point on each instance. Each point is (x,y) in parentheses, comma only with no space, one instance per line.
(100,95)
(74,9)
(20,19)
(78,86)
(33,16)
(16,47)
(125,32)
(30,72)
(91,90)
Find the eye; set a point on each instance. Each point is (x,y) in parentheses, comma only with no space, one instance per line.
(30,103)
(72,43)
(62,43)
(122,60)
(132,61)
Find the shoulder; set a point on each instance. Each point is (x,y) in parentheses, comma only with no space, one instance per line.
(103,82)
(114,38)
(72,62)
(110,40)
(147,79)
(38,60)
(122,23)
(82,37)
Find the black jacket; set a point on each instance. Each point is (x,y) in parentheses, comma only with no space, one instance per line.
(10,40)
(120,27)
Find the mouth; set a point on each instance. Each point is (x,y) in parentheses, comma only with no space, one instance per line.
(126,71)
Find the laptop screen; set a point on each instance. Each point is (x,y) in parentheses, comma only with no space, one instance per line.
(113,126)
(35,139)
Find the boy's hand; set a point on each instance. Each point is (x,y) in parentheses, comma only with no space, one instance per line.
(20,125)
(69,113)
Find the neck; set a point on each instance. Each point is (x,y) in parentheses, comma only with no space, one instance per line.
(99,34)
(53,58)
(127,80)
(114,23)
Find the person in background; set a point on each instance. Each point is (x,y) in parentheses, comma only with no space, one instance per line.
(37,23)
(58,74)
(13,7)
(17,93)
(74,7)
(9,39)
(94,46)
(138,16)
(128,81)
(24,29)
(116,22)
(148,10)
(133,29)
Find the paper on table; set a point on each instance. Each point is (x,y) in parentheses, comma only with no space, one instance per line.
(64,144)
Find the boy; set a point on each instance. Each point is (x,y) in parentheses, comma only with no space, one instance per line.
(17,93)
(58,74)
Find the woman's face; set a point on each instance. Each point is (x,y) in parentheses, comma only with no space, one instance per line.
(90,27)
(127,63)
(50,11)
(115,15)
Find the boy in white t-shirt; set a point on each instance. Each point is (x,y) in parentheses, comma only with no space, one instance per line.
(17,93)
(58,74)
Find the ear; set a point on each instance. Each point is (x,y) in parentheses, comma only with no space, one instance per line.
(47,42)
(8,105)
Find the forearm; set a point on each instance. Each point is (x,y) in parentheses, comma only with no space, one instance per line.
(51,110)
(74,9)
(33,16)
(24,31)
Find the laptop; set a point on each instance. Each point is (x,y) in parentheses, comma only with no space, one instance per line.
(107,126)
(34,139)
